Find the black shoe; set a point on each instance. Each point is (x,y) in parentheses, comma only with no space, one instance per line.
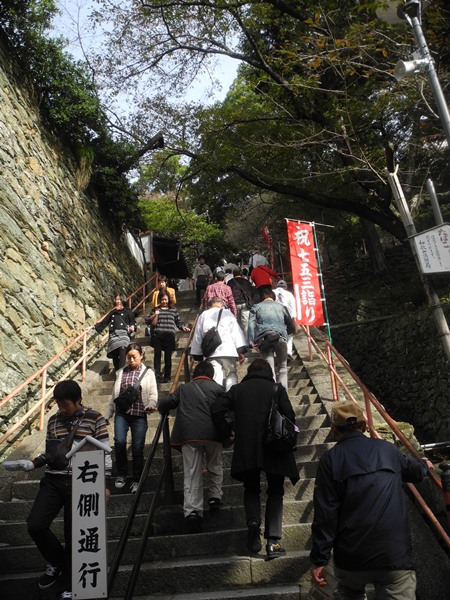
(274,550)
(49,577)
(254,539)
(167,380)
(193,523)
(215,503)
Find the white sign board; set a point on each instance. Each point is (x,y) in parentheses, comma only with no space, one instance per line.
(433,249)
(89,540)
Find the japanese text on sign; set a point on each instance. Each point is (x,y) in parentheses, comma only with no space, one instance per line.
(305,275)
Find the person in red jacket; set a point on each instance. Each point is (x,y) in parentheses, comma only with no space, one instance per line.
(263,277)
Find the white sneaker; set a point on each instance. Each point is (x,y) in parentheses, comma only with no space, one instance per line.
(120,482)
(134,487)
(66,596)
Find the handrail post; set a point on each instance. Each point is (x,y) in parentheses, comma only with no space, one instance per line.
(83,362)
(187,374)
(369,413)
(42,410)
(330,361)
(308,337)
(169,487)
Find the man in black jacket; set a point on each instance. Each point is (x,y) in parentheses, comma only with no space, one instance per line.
(360,511)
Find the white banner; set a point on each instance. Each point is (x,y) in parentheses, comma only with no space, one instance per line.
(89,540)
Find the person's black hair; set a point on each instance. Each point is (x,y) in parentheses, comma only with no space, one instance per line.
(135,346)
(201,256)
(67,389)
(265,291)
(204,369)
(259,364)
(237,272)
(122,296)
(162,278)
(163,293)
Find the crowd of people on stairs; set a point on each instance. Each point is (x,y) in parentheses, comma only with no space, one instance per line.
(359,510)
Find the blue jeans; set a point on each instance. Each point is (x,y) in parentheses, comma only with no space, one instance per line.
(138,426)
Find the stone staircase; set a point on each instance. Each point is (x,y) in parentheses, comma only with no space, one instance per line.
(212,564)
(205,566)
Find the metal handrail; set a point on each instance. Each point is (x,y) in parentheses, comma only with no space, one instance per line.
(165,478)
(370,400)
(86,352)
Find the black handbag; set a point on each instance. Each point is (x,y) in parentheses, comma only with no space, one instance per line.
(281,433)
(129,395)
(211,340)
(56,459)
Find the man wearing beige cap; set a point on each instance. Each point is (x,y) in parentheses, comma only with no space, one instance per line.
(360,511)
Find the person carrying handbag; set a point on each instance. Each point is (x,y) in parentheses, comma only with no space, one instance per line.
(133,418)
(251,401)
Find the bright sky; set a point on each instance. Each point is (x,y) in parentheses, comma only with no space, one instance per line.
(73,24)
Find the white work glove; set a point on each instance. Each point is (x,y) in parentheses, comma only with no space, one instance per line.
(18,465)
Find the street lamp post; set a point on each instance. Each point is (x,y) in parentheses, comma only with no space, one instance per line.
(394,12)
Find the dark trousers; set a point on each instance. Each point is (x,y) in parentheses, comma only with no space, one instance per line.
(200,292)
(119,357)
(274,504)
(55,492)
(157,353)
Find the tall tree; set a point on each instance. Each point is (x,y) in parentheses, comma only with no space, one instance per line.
(315,108)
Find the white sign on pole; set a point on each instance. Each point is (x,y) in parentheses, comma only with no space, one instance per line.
(433,249)
(89,540)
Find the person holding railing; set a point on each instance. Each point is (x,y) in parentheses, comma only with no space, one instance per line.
(122,325)
(360,511)
(194,435)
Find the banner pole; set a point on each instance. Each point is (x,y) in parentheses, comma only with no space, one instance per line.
(322,287)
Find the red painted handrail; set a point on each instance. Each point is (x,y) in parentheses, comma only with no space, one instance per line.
(370,402)
(86,351)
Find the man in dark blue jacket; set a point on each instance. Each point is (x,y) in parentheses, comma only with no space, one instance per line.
(360,511)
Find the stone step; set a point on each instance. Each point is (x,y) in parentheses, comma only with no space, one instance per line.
(27,490)
(181,576)
(276,592)
(26,557)
(168,519)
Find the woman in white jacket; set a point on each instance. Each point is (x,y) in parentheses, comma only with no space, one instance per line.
(133,418)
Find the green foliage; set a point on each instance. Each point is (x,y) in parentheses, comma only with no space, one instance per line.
(67,96)
(162,215)
(69,104)
(314,114)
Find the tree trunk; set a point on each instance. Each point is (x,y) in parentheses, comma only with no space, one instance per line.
(374,247)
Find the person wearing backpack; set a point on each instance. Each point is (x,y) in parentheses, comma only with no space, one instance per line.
(202,276)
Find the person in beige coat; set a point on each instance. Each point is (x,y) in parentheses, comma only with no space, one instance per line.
(133,418)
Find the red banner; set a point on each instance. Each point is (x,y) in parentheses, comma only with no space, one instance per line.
(266,234)
(305,274)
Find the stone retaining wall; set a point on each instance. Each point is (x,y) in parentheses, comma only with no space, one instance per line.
(60,261)
(402,362)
